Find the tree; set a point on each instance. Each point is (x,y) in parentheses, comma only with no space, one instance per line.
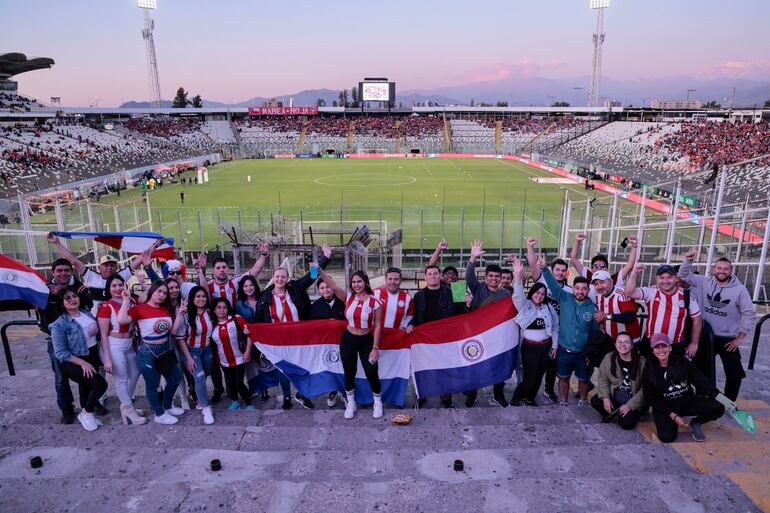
(712,105)
(560,104)
(345,102)
(180,100)
(354,97)
(472,102)
(767,104)
(320,102)
(501,104)
(334,103)
(400,105)
(197,102)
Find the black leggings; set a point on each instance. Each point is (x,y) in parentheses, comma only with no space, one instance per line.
(234,382)
(534,361)
(354,347)
(704,408)
(90,389)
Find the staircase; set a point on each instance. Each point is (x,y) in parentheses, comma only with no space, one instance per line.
(302,135)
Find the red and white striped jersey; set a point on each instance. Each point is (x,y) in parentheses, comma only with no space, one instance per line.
(198,335)
(225,335)
(667,313)
(617,303)
(154,322)
(397,308)
(282,309)
(360,312)
(109,310)
(227,290)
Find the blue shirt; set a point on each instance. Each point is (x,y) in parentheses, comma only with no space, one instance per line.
(576,318)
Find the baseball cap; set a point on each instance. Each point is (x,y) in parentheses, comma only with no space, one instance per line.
(601,275)
(107,258)
(658,339)
(665,268)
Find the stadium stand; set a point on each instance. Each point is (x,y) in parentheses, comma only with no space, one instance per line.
(13,102)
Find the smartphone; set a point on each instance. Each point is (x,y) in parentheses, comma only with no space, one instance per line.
(624,243)
(137,289)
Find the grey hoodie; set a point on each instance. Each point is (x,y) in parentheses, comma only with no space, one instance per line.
(727,308)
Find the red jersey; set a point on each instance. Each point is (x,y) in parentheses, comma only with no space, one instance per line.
(667,312)
(227,290)
(398,308)
(360,312)
(198,335)
(282,309)
(109,310)
(225,335)
(617,303)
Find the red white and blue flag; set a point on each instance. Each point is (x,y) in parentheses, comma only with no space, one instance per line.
(133,243)
(466,352)
(20,283)
(308,353)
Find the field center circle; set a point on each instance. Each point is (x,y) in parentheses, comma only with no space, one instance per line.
(365,180)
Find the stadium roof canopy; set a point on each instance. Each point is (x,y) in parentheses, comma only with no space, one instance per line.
(14,63)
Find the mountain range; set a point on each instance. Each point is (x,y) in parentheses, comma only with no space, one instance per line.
(539,91)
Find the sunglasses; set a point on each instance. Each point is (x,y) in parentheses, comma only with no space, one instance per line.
(599,266)
(175,273)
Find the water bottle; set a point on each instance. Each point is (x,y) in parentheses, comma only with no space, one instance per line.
(314,263)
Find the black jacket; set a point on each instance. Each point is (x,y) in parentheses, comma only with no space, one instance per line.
(320,309)
(446,307)
(53,308)
(297,290)
(667,389)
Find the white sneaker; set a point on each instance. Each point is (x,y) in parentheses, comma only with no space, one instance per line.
(350,409)
(174,410)
(88,421)
(377,410)
(331,400)
(208,416)
(166,418)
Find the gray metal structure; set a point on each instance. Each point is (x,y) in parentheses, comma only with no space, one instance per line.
(152,60)
(596,75)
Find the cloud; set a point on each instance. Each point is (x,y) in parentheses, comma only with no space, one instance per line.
(740,68)
(503,70)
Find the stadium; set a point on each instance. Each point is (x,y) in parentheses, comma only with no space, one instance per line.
(382,184)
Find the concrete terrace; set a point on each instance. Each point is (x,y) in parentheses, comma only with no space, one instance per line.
(549,459)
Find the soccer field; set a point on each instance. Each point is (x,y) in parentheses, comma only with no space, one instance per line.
(438,198)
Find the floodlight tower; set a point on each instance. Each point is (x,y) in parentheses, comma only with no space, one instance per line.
(156,100)
(596,77)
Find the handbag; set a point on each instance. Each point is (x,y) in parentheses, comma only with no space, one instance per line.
(164,361)
(621,396)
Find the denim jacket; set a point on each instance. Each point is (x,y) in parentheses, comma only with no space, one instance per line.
(528,312)
(68,337)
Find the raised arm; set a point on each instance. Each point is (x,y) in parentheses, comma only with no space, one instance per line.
(477,249)
(631,257)
(629,287)
(264,250)
(519,300)
(434,258)
(123,317)
(534,270)
(306,281)
(574,257)
(79,266)
(553,286)
(338,291)
(200,267)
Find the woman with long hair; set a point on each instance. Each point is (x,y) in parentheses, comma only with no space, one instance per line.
(246,306)
(193,325)
(156,356)
(288,301)
(229,331)
(539,328)
(361,339)
(619,385)
(117,348)
(327,306)
(74,338)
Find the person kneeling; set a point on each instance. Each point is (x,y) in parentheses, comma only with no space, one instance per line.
(668,382)
(619,386)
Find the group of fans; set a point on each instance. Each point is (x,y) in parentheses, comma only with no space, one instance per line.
(178,330)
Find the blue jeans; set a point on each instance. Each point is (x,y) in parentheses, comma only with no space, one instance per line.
(203,359)
(145,360)
(63,391)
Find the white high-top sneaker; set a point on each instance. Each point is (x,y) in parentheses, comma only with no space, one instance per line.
(208,416)
(350,409)
(377,410)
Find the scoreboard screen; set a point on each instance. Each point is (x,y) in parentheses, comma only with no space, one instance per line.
(377,90)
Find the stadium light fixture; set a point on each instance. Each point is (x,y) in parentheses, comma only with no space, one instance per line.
(150,4)
(596,4)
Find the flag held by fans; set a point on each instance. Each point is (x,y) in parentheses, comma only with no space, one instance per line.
(133,243)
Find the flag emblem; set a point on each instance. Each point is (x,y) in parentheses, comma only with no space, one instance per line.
(332,358)
(472,350)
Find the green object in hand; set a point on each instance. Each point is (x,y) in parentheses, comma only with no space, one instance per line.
(458,291)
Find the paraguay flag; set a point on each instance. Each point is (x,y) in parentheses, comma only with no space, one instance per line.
(308,353)
(466,352)
(20,283)
(261,375)
(133,243)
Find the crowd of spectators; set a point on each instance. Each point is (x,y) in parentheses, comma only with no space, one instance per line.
(16,103)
